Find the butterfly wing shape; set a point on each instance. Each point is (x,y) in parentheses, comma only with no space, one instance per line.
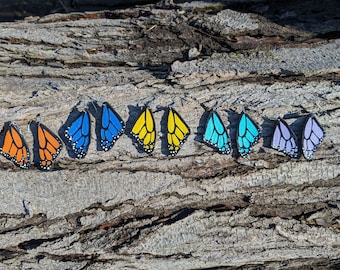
(216,134)
(248,135)
(47,146)
(178,131)
(284,139)
(312,137)
(144,130)
(112,127)
(14,147)
(79,133)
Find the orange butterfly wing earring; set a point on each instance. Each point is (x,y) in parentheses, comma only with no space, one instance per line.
(47,146)
(13,146)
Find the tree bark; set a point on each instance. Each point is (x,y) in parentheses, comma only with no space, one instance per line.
(197,210)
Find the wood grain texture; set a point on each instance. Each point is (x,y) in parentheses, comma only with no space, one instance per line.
(198,210)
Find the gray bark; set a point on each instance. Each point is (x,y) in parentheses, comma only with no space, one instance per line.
(123,209)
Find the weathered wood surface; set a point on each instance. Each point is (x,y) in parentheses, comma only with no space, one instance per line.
(123,209)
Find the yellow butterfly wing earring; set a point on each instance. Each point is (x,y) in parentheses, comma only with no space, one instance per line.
(144,130)
(177,131)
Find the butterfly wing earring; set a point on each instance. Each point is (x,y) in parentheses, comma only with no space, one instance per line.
(13,146)
(47,146)
(111,128)
(284,139)
(177,131)
(144,130)
(215,133)
(312,136)
(78,132)
(248,134)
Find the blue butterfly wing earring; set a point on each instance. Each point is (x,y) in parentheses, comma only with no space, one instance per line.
(79,133)
(284,139)
(112,127)
(216,134)
(248,134)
